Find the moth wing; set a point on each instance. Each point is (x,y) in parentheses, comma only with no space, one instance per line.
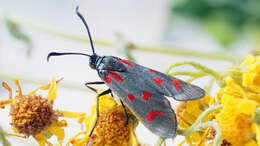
(164,84)
(151,108)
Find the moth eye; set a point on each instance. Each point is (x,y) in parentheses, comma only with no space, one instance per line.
(113,62)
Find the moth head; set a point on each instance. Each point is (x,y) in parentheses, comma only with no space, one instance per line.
(92,61)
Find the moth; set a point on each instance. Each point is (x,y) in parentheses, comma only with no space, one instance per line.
(143,90)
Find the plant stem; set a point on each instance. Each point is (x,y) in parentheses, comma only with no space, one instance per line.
(173,50)
(257,115)
(195,65)
(197,125)
(204,114)
(208,87)
(218,76)
(3,136)
(160,141)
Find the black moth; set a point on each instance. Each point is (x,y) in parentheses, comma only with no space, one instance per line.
(141,89)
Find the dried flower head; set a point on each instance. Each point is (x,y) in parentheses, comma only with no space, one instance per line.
(33,115)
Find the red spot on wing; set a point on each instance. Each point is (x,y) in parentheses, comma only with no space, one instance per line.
(176,84)
(151,116)
(107,79)
(126,62)
(146,95)
(157,80)
(113,75)
(151,70)
(131,97)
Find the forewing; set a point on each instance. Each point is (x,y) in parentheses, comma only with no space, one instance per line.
(151,108)
(164,84)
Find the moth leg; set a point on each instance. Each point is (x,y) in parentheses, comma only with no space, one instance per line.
(112,94)
(93,83)
(97,110)
(126,122)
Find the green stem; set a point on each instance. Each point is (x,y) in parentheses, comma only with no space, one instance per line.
(22,78)
(204,114)
(195,65)
(257,115)
(173,50)
(219,77)
(208,87)
(3,135)
(160,141)
(194,74)
(197,125)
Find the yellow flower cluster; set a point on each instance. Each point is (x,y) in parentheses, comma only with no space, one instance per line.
(237,118)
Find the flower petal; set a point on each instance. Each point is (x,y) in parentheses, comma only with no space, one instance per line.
(258,134)
(18,86)
(45,87)
(133,139)
(59,132)
(3,103)
(75,136)
(68,114)
(250,59)
(7,87)
(53,90)
(40,139)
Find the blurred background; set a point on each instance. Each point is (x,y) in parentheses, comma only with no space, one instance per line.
(215,33)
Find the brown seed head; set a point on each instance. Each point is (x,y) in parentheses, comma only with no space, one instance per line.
(225,143)
(110,129)
(32,114)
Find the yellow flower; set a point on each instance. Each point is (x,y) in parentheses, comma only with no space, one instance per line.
(110,129)
(251,73)
(33,115)
(231,89)
(188,112)
(236,118)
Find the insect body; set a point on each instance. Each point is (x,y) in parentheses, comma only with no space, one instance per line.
(142,89)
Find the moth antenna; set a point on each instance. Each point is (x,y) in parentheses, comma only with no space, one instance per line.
(86,25)
(60,54)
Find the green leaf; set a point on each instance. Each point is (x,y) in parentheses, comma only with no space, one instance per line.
(193,8)
(15,31)
(223,31)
